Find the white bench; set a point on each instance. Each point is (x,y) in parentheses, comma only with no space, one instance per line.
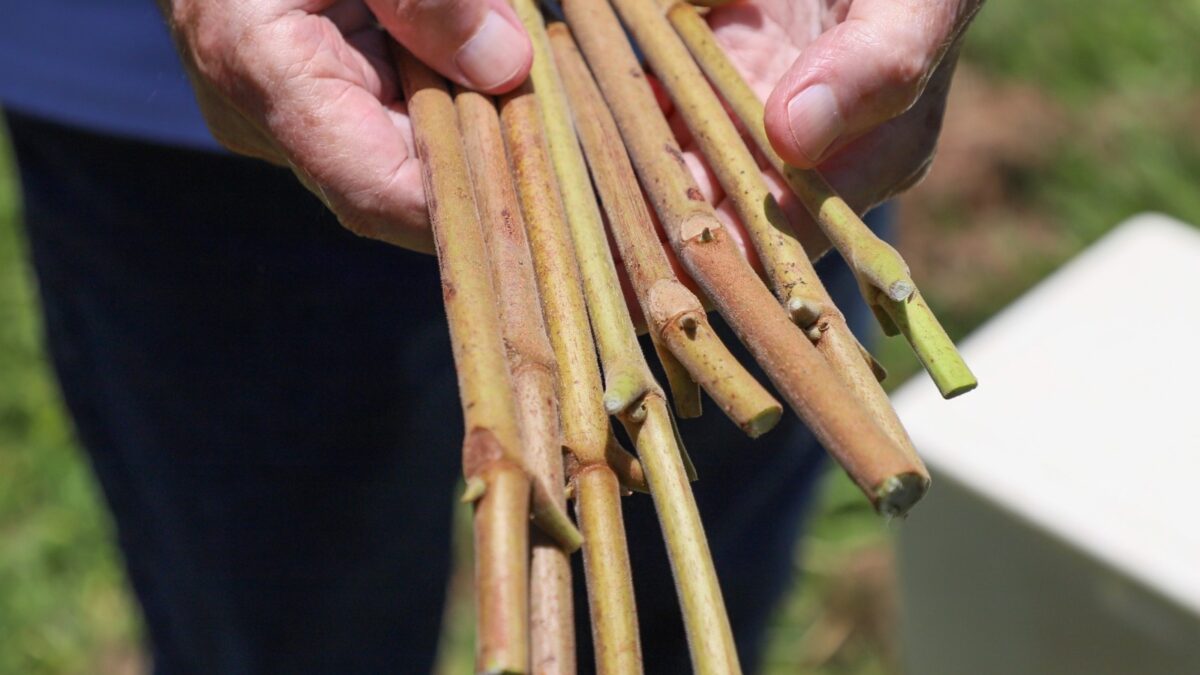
(1061,534)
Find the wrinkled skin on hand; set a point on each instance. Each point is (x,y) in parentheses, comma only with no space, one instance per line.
(889,65)
(310,84)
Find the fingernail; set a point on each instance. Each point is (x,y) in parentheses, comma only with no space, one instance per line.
(493,55)
(814,121)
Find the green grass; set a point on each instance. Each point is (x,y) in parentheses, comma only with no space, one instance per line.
(1121,75)
(63,604)
(1128,76)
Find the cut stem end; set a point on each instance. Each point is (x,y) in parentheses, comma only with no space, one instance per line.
(898,494)
(763,422)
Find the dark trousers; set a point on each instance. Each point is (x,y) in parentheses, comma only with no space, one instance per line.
(269,404)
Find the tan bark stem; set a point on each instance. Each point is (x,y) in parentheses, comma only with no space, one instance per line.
(588,434)
(492,461)
(586,428)
(704,615)
(614,618)
(501,571)
(782,255)
(552,628)
(871,257)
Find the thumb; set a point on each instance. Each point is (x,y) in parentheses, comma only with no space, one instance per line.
(477,43)
(864,71)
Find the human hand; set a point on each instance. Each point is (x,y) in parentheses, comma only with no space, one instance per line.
(310,84)
(855,87)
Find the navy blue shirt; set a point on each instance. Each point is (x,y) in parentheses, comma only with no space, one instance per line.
(103,65)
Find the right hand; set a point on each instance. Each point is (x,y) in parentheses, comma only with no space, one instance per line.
(310,84)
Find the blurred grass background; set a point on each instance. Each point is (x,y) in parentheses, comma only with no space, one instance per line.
(1065,118)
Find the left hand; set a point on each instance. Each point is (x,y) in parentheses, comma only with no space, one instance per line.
(856,88)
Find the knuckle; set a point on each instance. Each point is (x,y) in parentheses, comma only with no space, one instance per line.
(900,58)
(908,71)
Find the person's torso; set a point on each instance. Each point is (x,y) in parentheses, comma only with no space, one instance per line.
(103,65)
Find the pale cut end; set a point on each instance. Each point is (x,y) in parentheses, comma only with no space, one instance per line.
(804,312)
(476,486)
(613,404)
(763,422)
(623,392)
(900,290)
(950,389)
(898,494)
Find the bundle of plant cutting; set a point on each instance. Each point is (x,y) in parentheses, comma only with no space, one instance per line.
(525,195)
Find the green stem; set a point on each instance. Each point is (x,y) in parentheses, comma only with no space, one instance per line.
(710,637)
(914,319)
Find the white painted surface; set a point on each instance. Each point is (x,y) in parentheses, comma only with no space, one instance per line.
(1085,430)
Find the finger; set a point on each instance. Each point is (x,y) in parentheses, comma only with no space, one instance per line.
(866,70)
(477,43)
(896,154)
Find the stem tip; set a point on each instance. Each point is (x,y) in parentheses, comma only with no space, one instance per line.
(476,486)
(899,493)
(960,389)
(804,312)
(763,422)
(900,290)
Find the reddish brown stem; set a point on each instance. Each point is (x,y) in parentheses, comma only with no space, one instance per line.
(803,377)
